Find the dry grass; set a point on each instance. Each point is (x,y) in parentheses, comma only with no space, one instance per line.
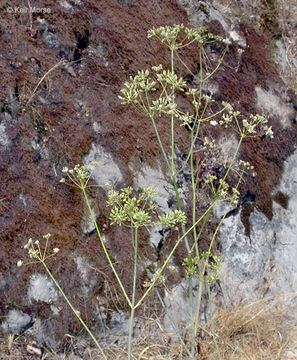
(256,331)
(11,348)
(252,332)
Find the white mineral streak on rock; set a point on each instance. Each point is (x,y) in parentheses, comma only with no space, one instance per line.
(107,171)
(41,288)
(15,322)
(154,178)
(3,137)
(271,103)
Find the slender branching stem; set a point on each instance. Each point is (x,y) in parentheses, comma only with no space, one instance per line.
(202,273)
(134,235)
(76,312)
(165,264)
(104,247)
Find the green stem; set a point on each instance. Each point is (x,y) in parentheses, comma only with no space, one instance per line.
(76,312)
(200,232)
(232,162)
(197,117)
(193,199)
(172,121)
(202,272)
(131,322)
(172,321)
(160,143)
(172,146)
(199,297)
(212,324)
(192,142)
(172,157)
(173,251)
(190,282)
(104,247)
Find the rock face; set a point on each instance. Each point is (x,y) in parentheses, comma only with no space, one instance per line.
(263,262)
(62,72)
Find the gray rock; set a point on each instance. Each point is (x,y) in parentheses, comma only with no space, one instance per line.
(271,103)
(3,137)
(154,178)
(76,2)
(15,322)
(65,4)
(88,279)
(280,54)
(41,288)
(107,171)
(265,262)
(10,106)
(45,333)
(51,40)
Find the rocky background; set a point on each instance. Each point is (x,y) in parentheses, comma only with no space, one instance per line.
(87,49)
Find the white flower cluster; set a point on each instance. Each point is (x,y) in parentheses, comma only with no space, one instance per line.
(250,127)
(140,83)
(213,263)
(268,131)
(186,119)
(157,68)
(203,36)
(172,219)
(198,98)
(255,122)
(170,78)
(126,208)
(191,265)
(157,278)
(193,92)
(245,165)
(229,115)
(35,252)
(209,143)
(163,106)
(223,192)
(79,175)
(169,34)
